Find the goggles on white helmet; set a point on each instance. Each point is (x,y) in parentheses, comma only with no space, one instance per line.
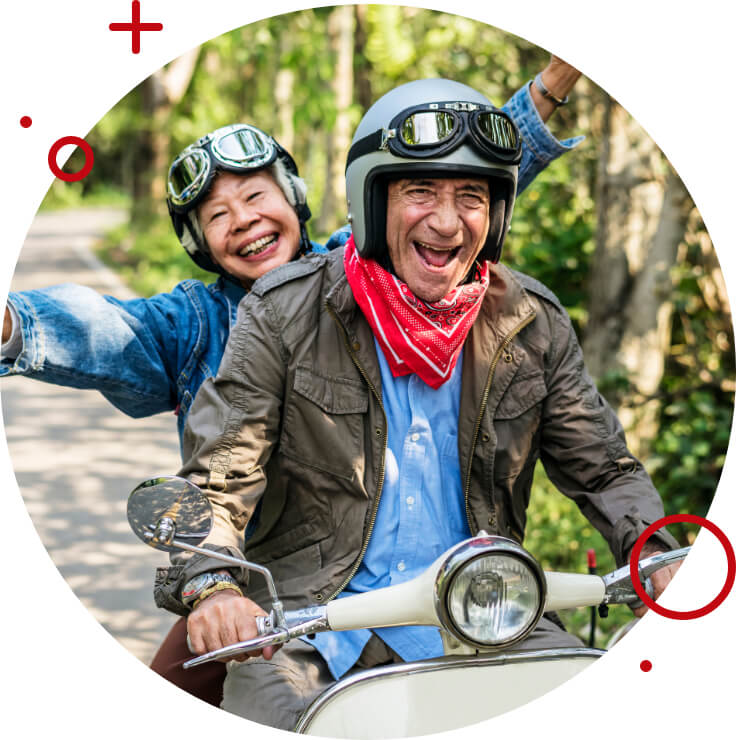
(241,149)
(436,129)
(430,128)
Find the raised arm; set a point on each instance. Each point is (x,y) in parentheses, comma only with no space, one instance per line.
(530,109)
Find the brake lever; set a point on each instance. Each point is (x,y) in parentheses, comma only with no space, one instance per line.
(619,589)
(257,643)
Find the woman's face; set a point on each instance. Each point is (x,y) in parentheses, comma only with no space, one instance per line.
(249,225)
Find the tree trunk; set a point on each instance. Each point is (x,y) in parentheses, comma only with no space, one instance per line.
(160,93)
(362,69)
(642,215)
(340,29)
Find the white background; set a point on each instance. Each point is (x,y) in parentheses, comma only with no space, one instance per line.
(669,64)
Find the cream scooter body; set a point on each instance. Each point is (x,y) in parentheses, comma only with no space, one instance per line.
(470,590)
(461,688)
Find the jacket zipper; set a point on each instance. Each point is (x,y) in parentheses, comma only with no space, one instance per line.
(382,471)
(483,403)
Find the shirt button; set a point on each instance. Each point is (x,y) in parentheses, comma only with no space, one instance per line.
(410,500)
(401,566)
(415,437)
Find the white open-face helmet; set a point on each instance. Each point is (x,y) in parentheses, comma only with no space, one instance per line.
(430,128)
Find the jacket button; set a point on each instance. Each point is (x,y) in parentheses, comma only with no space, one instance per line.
(492,520)
(508,357)
(486,437)
(378,431)
(319,597)
(356,346)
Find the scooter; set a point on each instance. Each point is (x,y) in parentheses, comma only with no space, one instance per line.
(485,594)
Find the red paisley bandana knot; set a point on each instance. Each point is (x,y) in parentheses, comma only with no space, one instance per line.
(415,336)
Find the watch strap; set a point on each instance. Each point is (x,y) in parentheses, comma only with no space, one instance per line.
(193,589)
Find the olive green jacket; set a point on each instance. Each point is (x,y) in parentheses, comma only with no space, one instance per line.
(294,419)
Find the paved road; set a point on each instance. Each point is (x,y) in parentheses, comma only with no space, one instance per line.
(76,457)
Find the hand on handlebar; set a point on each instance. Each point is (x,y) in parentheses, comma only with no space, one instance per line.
(222,619)
(660,579)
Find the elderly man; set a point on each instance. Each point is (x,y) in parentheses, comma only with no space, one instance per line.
(396,397)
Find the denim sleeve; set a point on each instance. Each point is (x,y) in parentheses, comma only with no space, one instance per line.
(127,350)
(339,238)
(539,145)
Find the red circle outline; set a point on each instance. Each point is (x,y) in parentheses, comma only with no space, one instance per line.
(89,158)
(634,566)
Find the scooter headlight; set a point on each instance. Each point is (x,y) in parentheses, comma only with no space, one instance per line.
(490,592)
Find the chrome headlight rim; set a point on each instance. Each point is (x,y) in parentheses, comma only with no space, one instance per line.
(463,555)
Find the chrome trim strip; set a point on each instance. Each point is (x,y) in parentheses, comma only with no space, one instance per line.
(438,664)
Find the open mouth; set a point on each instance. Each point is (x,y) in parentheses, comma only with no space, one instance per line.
(259,245)
(435,256)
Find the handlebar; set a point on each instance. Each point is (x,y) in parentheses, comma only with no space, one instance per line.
(272,631)
(299,622)
(619,589)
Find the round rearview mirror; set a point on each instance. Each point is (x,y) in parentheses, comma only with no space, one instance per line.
(162,511)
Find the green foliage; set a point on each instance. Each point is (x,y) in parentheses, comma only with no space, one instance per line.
(150,261)
(552,235)
(70,195)
(697,390)
(559,537)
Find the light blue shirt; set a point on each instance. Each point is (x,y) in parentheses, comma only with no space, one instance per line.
(421,512)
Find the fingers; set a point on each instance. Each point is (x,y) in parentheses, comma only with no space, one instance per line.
(660,580)
(223,619)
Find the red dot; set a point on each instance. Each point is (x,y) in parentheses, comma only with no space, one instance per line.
(26,121)
(646,665)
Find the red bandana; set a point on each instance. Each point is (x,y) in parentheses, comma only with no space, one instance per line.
(416,337)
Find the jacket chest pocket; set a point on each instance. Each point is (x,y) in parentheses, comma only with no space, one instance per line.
(516,422)
(323,422)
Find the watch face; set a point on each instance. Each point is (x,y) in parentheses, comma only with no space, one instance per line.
(195,585)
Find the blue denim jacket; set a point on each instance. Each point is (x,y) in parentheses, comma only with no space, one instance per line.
(151,355)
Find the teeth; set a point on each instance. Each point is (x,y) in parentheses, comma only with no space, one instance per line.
(434,249)
(258,245)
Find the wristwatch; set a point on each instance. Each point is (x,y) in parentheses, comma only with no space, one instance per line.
(193,588)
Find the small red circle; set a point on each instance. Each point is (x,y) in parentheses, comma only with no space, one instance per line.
(672,613)
(646,665)
(26,121)
(89,158)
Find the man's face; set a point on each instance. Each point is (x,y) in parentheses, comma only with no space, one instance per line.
(249,225)
(435,229)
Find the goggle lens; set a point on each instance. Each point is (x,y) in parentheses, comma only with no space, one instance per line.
(427,128)
(498,130)
(243,146)
(186,173)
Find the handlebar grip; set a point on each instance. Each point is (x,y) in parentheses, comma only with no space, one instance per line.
(257,643)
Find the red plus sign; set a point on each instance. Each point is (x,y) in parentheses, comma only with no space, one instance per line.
(135,27)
